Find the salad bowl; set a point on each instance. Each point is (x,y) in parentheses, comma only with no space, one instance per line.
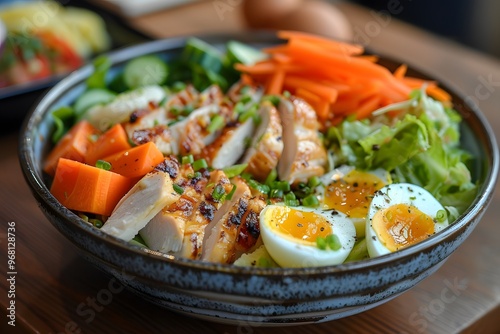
(263,296)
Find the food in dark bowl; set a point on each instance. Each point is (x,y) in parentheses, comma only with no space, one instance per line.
(226,194)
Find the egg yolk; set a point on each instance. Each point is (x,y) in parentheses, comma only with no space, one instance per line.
(402,225)
(302,225)
(353,193)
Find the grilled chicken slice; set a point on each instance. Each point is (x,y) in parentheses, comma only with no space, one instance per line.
(150,125)
(220,235)
(203,214)
(228,148)
(211,95)
(190,135)
(165,232)
(303,154)
(267,145)
(240,89)
(120,109)
(249,230)
(152,193)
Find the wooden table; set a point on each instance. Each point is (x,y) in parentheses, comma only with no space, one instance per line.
(59,292)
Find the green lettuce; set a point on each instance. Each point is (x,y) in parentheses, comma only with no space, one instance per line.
(421,147)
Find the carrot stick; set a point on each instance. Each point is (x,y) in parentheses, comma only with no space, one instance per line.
(400,72)
(368,106)
(112,141)
(325,92)
(137,161)
(370,58)
(332,45)
(275,83)
(85,188)
(73,145)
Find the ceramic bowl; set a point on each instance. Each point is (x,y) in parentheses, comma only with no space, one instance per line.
(232,294)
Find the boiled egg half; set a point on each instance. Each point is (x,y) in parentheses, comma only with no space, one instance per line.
(350,191)
(306,237)
(400,215)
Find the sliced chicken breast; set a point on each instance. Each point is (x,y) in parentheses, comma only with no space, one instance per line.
(165,232)
(221,233)
(303,155)
(228,148)
(213,197)
(249,230)
(120,109)
(152,193)
(267,145)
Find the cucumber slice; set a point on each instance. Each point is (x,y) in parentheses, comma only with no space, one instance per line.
(201,53)
(91,98)
(242,53)
(145,71)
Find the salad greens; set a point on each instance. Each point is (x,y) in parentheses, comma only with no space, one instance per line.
(421,146)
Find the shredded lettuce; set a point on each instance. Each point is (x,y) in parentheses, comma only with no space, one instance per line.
(420,147)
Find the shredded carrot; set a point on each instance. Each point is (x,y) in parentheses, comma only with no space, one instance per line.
(137,161)
(73,145)
(400,72)
(85,188)
(334,77)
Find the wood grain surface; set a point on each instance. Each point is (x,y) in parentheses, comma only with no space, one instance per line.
(57,291)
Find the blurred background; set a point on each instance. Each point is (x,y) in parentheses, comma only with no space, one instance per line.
(474,23)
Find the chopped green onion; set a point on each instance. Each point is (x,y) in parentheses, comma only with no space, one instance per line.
(187,159)
(271,176)
(310,201)
(245,89)
(333,242)
(216,124)
(84,217)
(246,176)
(239,108)
(321,243)
(93,137)
(245,99)
(292,202)
(287,94)
(234,170)
(247,114)
(281,185)
(96,222)
(264,263)
(231,193)
(441,216)
(274,99)
(218,193)
(178,189)
(276,193)
(289,196)
(314,182)
(103,165)
(194,175)
(263,188)
(199,164)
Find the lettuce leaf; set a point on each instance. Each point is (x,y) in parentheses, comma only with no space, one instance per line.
(421,147)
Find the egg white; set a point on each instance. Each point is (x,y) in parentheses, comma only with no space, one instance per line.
(338,174)
(291,252)
(400,193)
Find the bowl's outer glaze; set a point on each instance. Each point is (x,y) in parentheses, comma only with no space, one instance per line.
(249,295)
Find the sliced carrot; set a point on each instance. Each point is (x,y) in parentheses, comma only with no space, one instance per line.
(275,84)
(400,72)
(367,106)
(85,188)
(332,45)
(328,93)
(438,93)
(73,145)
(112,141)
(137,161)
